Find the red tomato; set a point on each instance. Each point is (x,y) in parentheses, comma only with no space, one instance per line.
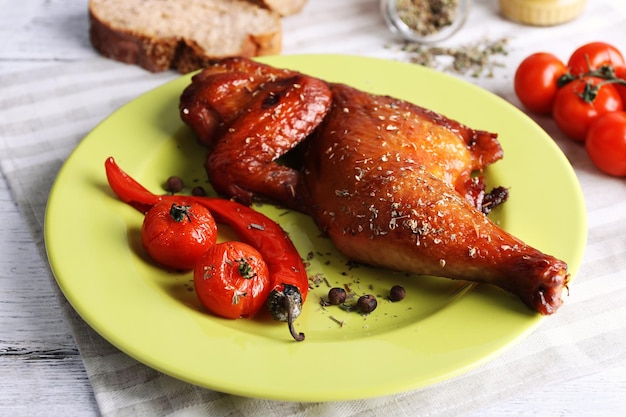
(594,55)
(536,81)
(606,143)
(232,280)
(575,106)
(177,235)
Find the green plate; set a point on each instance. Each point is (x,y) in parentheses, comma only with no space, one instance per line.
(441,329)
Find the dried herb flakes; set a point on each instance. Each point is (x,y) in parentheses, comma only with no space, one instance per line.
(426,17)
(476,59)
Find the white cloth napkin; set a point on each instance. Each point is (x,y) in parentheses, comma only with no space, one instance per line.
(45,112)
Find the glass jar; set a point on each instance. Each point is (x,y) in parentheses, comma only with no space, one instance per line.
(425,21)
(541,12)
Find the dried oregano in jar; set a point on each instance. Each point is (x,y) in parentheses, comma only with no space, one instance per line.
(424,20)
(426,17)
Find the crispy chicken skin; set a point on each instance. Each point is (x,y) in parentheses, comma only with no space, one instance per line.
(392,184)
(390,190)
(249,115)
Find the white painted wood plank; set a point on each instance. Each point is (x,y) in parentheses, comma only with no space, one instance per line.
(41,372)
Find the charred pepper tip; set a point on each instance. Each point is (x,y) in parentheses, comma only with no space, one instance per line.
(298,337)
(286,305)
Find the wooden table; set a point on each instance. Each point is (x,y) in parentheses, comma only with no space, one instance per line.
(41,372)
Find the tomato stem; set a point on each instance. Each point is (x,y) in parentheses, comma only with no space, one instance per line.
(590,92)
(179,213)
(565,79)
(612,81)
(605,72)
(245,269)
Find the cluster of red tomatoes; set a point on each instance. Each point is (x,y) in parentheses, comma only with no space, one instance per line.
(586,97)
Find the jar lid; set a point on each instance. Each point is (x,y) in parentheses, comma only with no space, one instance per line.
(541,12)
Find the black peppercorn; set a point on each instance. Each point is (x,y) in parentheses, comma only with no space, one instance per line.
(397,293)
(198,191)
(336,296)
(366,303)
(174,184)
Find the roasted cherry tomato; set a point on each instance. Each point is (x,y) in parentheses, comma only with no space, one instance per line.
(176,235)
(580,102)
(536,81)
(594,55)
(232,280)
(606,143)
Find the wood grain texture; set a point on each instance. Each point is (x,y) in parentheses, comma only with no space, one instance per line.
(41,371)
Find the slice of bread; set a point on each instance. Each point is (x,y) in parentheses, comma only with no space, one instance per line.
(185,35)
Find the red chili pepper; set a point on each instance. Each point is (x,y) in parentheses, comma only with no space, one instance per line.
(128,189)
(288,275)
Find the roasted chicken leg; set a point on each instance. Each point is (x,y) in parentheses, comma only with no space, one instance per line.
(390,190)
(391,183)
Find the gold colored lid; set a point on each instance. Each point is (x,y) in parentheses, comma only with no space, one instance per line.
(541,12)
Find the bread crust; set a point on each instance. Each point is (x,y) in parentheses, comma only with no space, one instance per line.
(157,54)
